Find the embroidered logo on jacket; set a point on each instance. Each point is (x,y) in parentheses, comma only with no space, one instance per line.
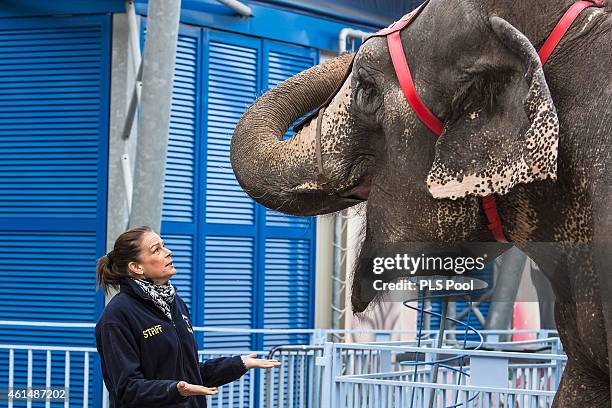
(152,331)
(188,323)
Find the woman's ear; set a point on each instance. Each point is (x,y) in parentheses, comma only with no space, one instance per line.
(503,129)
(135,269)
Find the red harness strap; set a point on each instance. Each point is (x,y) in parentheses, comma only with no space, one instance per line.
(400,63)
(564,24)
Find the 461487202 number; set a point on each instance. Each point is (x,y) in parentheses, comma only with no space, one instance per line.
(33,394)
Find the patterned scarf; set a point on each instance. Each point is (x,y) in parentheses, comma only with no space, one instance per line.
(162,295)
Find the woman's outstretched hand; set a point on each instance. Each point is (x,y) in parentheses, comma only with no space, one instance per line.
(251,361)
(186,389)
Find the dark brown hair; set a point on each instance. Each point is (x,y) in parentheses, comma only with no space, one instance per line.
(113,266)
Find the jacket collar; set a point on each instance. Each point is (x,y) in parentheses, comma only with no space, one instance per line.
(129,287)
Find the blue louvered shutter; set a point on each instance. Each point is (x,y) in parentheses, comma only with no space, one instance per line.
(232,87)
(54,81)
(289,241)
(230,248)
(246,254)
(181,187)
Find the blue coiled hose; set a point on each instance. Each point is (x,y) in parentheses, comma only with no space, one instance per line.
(421,312)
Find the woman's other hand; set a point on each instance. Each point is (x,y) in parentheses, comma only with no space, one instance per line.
(186,389)
(251,361)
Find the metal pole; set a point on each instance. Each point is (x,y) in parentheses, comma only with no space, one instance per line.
(347,33)
(338,282)
(133,106)
(154,119)
(127,178)
(238,7)
(439,344)
(134,41)
(508,278)
(134,35)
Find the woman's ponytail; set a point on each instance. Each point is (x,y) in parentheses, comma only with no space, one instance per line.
(105,276)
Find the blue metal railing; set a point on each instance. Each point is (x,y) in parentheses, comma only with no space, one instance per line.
(493,378)
(326,374)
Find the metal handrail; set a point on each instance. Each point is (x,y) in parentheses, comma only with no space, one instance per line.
(290,331)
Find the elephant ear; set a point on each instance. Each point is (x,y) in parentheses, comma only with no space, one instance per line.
(503,129)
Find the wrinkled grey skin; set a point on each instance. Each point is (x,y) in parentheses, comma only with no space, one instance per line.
(474,73)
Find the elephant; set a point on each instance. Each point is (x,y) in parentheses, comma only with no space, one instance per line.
(536,138)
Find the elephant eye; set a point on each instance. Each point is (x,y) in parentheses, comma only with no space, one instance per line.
(365,96)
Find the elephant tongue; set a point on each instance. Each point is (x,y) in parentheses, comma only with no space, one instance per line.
(362,191)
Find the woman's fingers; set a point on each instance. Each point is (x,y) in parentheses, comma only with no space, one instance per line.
(186,389)
(201,390)
(251,361)
(263,363)
(272,363)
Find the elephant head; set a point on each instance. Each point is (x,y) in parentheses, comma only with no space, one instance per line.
(475,72)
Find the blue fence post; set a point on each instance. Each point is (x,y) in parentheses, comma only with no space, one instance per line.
(318,337)
(385,361)
(382,336)
(489,372)
(336,370)
(326,361)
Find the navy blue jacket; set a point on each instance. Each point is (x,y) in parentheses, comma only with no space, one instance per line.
(144,355)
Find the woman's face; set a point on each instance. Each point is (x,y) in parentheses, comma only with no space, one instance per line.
(155,260)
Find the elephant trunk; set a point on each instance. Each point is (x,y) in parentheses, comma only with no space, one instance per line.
(281,174)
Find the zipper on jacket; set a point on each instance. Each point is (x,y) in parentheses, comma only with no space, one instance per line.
(180,346)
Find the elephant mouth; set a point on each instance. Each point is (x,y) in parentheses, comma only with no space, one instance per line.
(356,194)
(361,191)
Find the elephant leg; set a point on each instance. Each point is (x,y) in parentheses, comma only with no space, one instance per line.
(602,261)
(582,388)
(607,313)
(602,258)
(585,383)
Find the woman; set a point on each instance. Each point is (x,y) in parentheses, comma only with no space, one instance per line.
(144,337)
